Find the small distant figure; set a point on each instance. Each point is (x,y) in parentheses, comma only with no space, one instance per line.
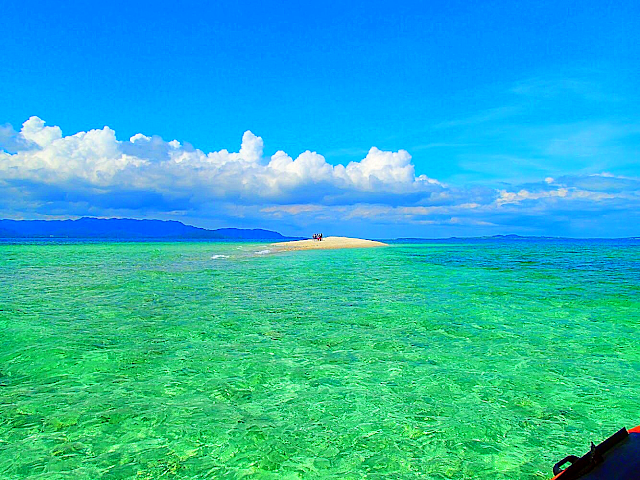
(315,236)
(320,237)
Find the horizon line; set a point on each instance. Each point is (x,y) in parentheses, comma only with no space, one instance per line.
(499,235)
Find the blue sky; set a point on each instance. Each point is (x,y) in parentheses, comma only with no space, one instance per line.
(487,117)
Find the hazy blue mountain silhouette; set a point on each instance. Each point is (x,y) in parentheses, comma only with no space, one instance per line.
(126,228)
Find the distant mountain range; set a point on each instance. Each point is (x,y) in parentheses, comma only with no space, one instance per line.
(125,228)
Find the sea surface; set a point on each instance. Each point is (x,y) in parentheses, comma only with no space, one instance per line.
(460,360)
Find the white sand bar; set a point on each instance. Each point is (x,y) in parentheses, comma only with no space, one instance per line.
(327,243)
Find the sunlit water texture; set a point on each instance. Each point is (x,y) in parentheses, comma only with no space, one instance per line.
(205,360)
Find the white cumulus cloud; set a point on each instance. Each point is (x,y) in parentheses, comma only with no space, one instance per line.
(98,160)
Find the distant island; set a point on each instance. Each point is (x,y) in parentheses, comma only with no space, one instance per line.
(128,229)
(509,238)
(132,229)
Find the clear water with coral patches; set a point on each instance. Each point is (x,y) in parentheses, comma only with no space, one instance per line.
(198,360)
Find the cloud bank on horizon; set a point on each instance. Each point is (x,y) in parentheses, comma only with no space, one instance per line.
(45,174)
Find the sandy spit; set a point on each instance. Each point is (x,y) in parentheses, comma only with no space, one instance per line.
(328,243)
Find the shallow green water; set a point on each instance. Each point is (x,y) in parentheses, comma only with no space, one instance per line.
(155,360)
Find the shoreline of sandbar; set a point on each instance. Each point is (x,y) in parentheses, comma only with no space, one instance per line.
(327,243)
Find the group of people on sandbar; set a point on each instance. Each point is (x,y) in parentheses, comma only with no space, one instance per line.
(317,236)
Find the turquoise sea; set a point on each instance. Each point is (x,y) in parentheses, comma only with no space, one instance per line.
(467,360)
